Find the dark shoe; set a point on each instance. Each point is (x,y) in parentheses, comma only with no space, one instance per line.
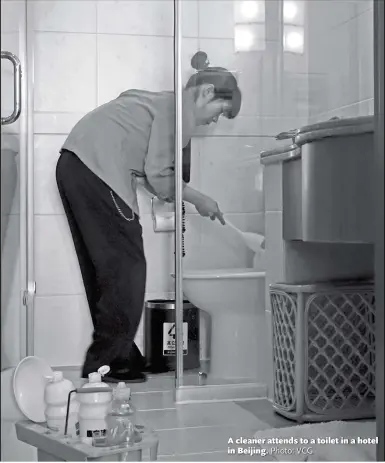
(127,376)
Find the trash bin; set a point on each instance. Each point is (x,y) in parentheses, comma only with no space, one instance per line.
(160,351)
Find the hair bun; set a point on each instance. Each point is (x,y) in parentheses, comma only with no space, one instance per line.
(200,61)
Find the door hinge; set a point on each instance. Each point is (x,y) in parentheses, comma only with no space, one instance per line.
(29,293)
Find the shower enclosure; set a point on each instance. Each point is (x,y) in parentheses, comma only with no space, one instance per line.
(265,44)
(14,139)
(77,55)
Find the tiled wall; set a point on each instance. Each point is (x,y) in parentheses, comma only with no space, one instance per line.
(340,58)
(86,53)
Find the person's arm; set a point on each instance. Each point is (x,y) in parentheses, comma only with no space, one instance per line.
(206,206)
(159,168)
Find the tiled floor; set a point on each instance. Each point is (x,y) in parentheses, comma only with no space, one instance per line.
(198,432)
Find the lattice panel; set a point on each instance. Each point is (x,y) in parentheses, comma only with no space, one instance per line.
(284,310)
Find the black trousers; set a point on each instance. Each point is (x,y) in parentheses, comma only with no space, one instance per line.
(109,246)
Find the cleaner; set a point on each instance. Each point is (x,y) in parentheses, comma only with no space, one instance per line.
(94,407)
(121,417)
(56,397)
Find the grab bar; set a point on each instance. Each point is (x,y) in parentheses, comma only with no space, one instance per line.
(17,87)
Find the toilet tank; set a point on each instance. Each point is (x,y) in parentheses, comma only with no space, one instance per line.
(327,182)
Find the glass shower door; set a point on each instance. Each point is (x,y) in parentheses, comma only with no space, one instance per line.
(262,43)
(13,155)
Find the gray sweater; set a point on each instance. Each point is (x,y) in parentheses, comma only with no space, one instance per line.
(129,137)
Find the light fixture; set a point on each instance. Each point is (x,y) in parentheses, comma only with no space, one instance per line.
(293,39)
(244,38)
(290,10)
(250,9)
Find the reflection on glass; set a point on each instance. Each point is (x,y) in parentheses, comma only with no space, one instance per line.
(249,37)
(290,11)
(244,38)
(293,39)
(294,12)
(250,9)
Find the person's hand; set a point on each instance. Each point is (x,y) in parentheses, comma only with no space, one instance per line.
(207,207)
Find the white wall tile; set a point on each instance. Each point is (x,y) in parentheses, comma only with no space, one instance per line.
(365,39)
(362,108)
(150,17)
(341,11)
(159,252)
(12,16)
(65,77)
(333,13)
(230,170)
(63,329)
(46,154)
(126,62)
(57,269)
(216,18)
(55,123)
(341,58)
(274,253)
(193,242)
(363,5)
(210,245)
(190,15)
(256,73)
(295,95)
(272,182)
(343,75)
(64,16)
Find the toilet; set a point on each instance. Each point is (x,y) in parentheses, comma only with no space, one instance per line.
(235,300)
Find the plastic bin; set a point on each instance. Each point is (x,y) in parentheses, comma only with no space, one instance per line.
(160,336)
(323,350)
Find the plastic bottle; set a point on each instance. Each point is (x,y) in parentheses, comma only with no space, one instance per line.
(94,407)
(56,398)
(121,417)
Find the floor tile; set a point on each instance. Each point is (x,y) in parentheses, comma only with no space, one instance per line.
(215,456)
(263,410)
(153,400)
(199,415)
(200,440)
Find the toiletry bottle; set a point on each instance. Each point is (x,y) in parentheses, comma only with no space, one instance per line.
(121,417)
(56,397)
(93,407)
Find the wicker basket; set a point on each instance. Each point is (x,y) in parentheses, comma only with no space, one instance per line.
(324,350)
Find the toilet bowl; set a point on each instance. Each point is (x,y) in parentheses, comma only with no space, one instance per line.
(235,299)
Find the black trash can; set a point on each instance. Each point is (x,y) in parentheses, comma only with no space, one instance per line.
(159,336)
